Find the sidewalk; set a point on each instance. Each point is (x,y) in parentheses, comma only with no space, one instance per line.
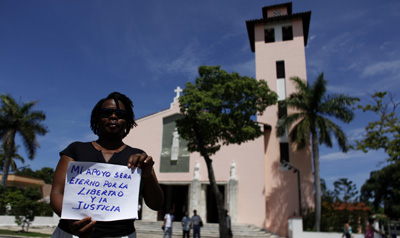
(49,230)
(146,229)
(43,229)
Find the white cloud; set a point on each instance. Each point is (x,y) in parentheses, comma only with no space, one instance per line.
(356,134)
(382,67)
(339,43)
(337,156)
(310,39)
(186,63)
(344,89)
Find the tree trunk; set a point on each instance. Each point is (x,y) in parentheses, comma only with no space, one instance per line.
(317,180)
(223,229)
(8,146)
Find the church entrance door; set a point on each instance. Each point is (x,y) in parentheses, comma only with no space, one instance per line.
(175,198)
(212,212)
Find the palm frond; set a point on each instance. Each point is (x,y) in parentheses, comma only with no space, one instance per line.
(324,131)
(300,133)
(301,85)
(314,105)
(337,106)
(287,121)
(317,91)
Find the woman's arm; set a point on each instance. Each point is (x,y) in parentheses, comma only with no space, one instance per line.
(57,190)
(83,227)
(152,192)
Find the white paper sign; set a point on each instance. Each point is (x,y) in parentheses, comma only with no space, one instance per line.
(106,192)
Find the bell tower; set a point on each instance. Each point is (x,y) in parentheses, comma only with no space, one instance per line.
(278,41)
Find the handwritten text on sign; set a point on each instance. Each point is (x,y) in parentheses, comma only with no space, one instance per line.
(106,192)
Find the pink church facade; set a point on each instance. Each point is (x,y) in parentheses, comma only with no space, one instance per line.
(258,178)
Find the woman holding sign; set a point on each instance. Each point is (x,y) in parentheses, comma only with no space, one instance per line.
(111,120)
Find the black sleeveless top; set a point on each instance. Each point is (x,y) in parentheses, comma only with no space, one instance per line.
(85,151)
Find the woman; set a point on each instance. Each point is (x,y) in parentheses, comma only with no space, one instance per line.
(347,229)
(369,233)
(111,120)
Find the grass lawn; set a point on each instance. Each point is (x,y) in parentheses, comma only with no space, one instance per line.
(19,233)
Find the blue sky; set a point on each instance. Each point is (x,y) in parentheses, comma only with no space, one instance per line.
(69,54)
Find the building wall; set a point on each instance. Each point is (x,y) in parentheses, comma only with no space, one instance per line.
(281,189)
(20,181)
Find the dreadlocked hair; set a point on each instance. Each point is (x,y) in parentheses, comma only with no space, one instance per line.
(116,96)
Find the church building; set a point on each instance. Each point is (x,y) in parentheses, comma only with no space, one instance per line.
(264,181)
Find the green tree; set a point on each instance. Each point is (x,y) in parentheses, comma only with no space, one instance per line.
(217,110)
(383,190)
(345,190)
(334,210)
(311,105)
(15,156)
(19,118)
(384,133)
(26,208)
(327,195)
(24,205)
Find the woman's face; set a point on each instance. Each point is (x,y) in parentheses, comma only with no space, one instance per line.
(112,120)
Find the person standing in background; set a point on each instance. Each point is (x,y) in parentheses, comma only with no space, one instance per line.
(186,222)
(370,231)
(197,224)
(168,219)
(347,229)
(228,224)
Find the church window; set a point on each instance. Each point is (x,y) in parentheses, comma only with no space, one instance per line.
(284,150)
(269,35)
(287,33)
(280,69)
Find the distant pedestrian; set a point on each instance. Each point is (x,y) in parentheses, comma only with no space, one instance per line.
(168,219)
(369,233)
(197,224)
(228,224)
(186,223)
(347,229)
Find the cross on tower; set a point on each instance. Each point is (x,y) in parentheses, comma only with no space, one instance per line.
(178,91)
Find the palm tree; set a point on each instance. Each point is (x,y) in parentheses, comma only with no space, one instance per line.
(15,156)
(18,118)
(311,106)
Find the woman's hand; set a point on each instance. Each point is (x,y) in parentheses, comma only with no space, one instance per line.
(82,228)
(142,161)
(152,192)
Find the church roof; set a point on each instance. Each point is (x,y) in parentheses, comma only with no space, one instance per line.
(152,114)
